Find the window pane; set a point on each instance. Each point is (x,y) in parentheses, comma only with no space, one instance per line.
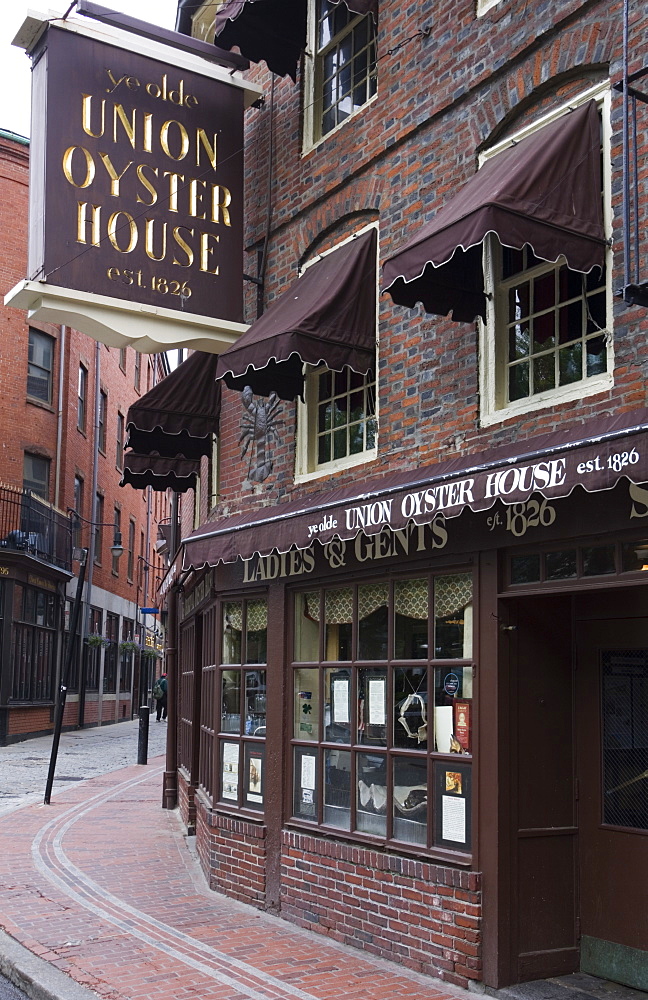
(255,702)
(519,381)
(372,621)
(230,757)
(410,799)
(596,356)
(410,708)
(570,361)
(371,804)
(525,569)
(544,375)
(232,628)
(372,707)
(453,709)
(337,705)
(625,737)
(411,619)
(305,783)
(307,619)
(560,565)
(598,560)
(339,618)
(306,720)
(453,616)
(337,789)
(257,632)
(231,701)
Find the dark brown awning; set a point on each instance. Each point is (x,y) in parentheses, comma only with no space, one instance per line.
(328,316)
(595,456)
(273,30)
(544,191)
(171,427)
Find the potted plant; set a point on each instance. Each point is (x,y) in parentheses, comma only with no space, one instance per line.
(128,646)
(97,641)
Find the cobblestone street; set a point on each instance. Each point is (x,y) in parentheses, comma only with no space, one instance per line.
(85,753)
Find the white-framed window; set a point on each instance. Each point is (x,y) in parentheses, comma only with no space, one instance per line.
(547,336)
(340,67)
(40,366)
(337,424)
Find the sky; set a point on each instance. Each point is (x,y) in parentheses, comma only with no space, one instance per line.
(15,64)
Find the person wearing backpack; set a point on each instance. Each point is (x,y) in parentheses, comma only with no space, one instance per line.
(160,695)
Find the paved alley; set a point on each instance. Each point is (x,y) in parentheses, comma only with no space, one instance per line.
(83,753)
(103,885)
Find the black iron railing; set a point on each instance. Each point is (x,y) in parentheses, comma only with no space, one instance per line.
(31,525)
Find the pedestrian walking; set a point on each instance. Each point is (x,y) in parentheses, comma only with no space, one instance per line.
(160,695)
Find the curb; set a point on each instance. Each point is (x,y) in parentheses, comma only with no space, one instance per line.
(34,976)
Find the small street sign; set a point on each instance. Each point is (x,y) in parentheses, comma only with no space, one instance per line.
(149,611)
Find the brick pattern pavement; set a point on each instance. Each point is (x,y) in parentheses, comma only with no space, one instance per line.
(102,885)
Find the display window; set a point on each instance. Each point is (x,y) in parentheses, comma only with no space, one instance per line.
(382,682)
(242,699)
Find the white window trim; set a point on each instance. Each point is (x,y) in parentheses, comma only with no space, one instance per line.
(305,418)
(309,142)
(483,6)
(491,413)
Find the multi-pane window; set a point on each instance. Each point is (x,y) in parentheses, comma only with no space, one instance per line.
(119,444)
(93,653)
(547,336)
(344,65)
(555,325)
(99,526)
(36,472)
(78,507)
(382,684)
(103,412)
(33,644)
(122,358)
(130,569)
(82,398)
(40,365)
(341,416)
(115,559)
(242,699)
(137,374)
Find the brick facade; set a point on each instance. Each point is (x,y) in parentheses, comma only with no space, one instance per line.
(50,431)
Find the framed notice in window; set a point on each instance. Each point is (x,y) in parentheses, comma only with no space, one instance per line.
(230,772)
(452,805)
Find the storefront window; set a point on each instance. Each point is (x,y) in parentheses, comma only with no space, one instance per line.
(391,696)
(243,693)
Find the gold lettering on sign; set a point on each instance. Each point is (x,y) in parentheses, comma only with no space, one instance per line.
(67,166)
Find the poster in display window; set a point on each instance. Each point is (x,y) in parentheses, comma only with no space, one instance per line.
(452,805)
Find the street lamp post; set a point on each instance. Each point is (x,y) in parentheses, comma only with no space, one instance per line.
(117,550)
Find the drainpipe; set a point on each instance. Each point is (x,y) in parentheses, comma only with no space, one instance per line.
(85,619)
(59,419)
(170,782)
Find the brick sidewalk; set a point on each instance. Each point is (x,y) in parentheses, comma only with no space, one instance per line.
(101,884)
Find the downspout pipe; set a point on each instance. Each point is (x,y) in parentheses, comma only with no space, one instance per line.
(85,618)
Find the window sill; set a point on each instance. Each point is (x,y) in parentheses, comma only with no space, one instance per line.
(333,467)
(431,855)
(576,392)
(40,403)
(310,147)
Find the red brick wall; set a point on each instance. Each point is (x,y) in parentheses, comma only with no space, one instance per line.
(29,720)
(441,99)
(423,915)
(232,854)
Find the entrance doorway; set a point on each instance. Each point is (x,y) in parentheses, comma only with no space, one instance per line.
(612,765)
(576,753)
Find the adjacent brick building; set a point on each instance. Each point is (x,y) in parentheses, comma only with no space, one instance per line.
(51,430)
